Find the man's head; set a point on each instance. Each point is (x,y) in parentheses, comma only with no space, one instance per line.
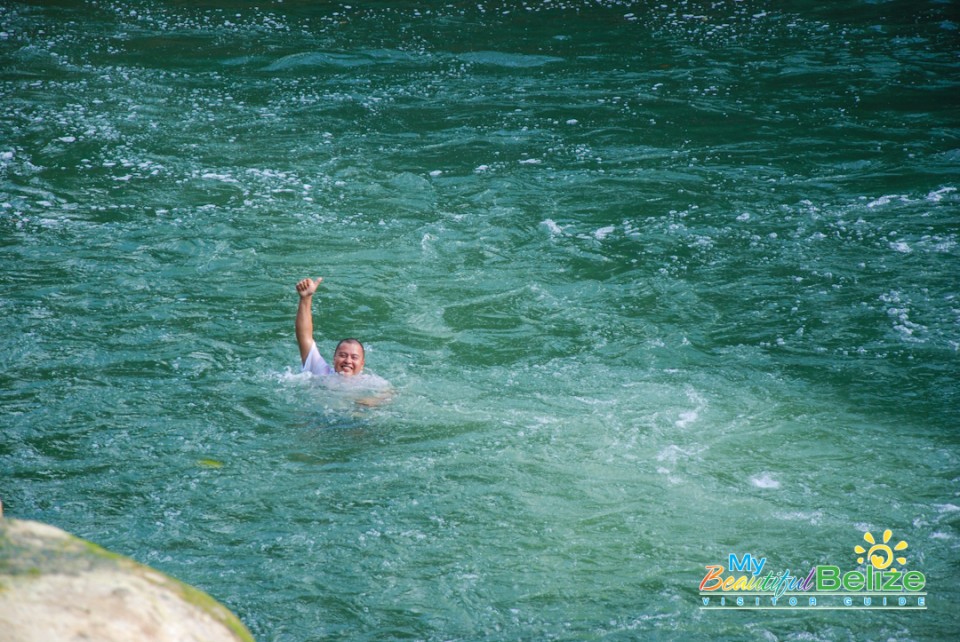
(348,358)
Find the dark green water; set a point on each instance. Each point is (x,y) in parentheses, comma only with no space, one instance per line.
(656,283)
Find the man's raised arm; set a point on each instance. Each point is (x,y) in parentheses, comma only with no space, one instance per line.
(304,323)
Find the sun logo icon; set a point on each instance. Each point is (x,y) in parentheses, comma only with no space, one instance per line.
(880,555)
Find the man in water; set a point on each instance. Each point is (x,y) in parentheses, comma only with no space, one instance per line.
(348,358)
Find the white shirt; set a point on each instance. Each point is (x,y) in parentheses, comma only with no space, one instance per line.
(315,364)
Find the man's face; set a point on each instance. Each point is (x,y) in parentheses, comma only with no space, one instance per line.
(348,359)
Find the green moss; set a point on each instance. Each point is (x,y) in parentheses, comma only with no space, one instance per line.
(203,601)
(102,553)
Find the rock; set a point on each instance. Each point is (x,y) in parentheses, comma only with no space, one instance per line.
(56,587)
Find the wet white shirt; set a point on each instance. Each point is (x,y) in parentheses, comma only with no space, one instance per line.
(315,364)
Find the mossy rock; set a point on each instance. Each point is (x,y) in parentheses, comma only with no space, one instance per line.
(54,586)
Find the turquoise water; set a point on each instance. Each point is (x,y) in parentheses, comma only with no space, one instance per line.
(655,283)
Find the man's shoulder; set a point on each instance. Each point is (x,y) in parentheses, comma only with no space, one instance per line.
(316,364)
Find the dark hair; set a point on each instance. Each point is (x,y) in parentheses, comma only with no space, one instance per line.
(351,340)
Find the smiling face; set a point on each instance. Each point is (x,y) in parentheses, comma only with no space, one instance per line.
(348,358)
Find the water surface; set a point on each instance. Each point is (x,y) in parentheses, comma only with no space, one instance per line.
(655,283)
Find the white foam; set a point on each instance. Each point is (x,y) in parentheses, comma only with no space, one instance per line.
(365,382)
(291,374)
(672,453)
(555,229)
(686,418)
(938,195)
(814,517)
(226,178)
(603,232)
(885,200)
(901,247)
(764,480)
